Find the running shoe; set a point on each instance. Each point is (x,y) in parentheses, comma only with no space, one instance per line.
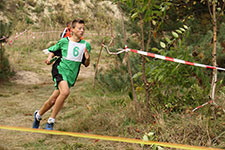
(49,126)
(36,122)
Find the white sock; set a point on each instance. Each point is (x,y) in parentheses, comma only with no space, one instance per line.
(38,116)
(51,120)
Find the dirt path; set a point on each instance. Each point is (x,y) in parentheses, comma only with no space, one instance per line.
(20,97)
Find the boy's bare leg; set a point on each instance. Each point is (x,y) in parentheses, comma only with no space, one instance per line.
(49,103)
(64,92)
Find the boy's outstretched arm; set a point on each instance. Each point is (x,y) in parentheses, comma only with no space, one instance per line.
(50,56)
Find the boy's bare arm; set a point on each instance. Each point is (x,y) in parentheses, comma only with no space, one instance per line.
(87,58)
(50,56)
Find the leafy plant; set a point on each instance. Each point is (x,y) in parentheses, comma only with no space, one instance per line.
(4,62)
(151,137)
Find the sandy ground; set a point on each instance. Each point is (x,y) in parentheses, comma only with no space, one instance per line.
(19,99)
(32,78)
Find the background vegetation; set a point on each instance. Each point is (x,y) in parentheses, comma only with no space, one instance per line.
(174,90)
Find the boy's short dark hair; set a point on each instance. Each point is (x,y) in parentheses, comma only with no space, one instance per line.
(77,21)
(68,23)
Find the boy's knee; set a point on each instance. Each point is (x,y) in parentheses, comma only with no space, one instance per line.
(65,93)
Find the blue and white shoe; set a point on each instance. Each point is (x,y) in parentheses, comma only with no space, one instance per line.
(36,122)
(49,126)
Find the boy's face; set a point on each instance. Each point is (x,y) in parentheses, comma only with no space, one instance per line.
(78,30)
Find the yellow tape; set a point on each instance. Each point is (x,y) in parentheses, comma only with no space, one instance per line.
(109,138)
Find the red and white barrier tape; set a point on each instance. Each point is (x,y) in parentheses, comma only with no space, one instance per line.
(97,34)
(3,38)
(32,34)
(45,32)
(168,59)
(209,102)
(16,37)
(88,34)
(171,59)
(113,53)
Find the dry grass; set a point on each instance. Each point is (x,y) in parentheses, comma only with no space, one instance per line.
(190,129)
(20,98)
(92,110)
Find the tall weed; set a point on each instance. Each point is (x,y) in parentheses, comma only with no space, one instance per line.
(4,62)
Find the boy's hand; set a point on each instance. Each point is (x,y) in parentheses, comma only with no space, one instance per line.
(48,61)
(86,54)
(87,58)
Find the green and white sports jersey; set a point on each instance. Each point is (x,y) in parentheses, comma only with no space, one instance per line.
(67,67)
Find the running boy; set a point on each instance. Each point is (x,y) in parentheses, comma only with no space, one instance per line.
(74,51)
(67,31)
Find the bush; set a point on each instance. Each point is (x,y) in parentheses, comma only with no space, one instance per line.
(39,8)
(4,62)
(76,1)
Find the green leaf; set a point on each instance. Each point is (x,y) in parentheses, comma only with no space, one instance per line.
(162,44)
(145,137)
(148,60)
(182,29)
(155,49)
(186,27)
(134,15)
(178,31)
(150,133)
(179,42)
(167,40)
(154,22)
(144,8)
(175,34)
(160,148)
(168,3)
(154,147)
(135,76)
(160,77)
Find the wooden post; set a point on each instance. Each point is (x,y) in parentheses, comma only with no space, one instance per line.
(111,28)
(30,39)
(1,53)
(96,68)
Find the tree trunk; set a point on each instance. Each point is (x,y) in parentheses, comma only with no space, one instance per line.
(147,85)
(127,58)
(214,78)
